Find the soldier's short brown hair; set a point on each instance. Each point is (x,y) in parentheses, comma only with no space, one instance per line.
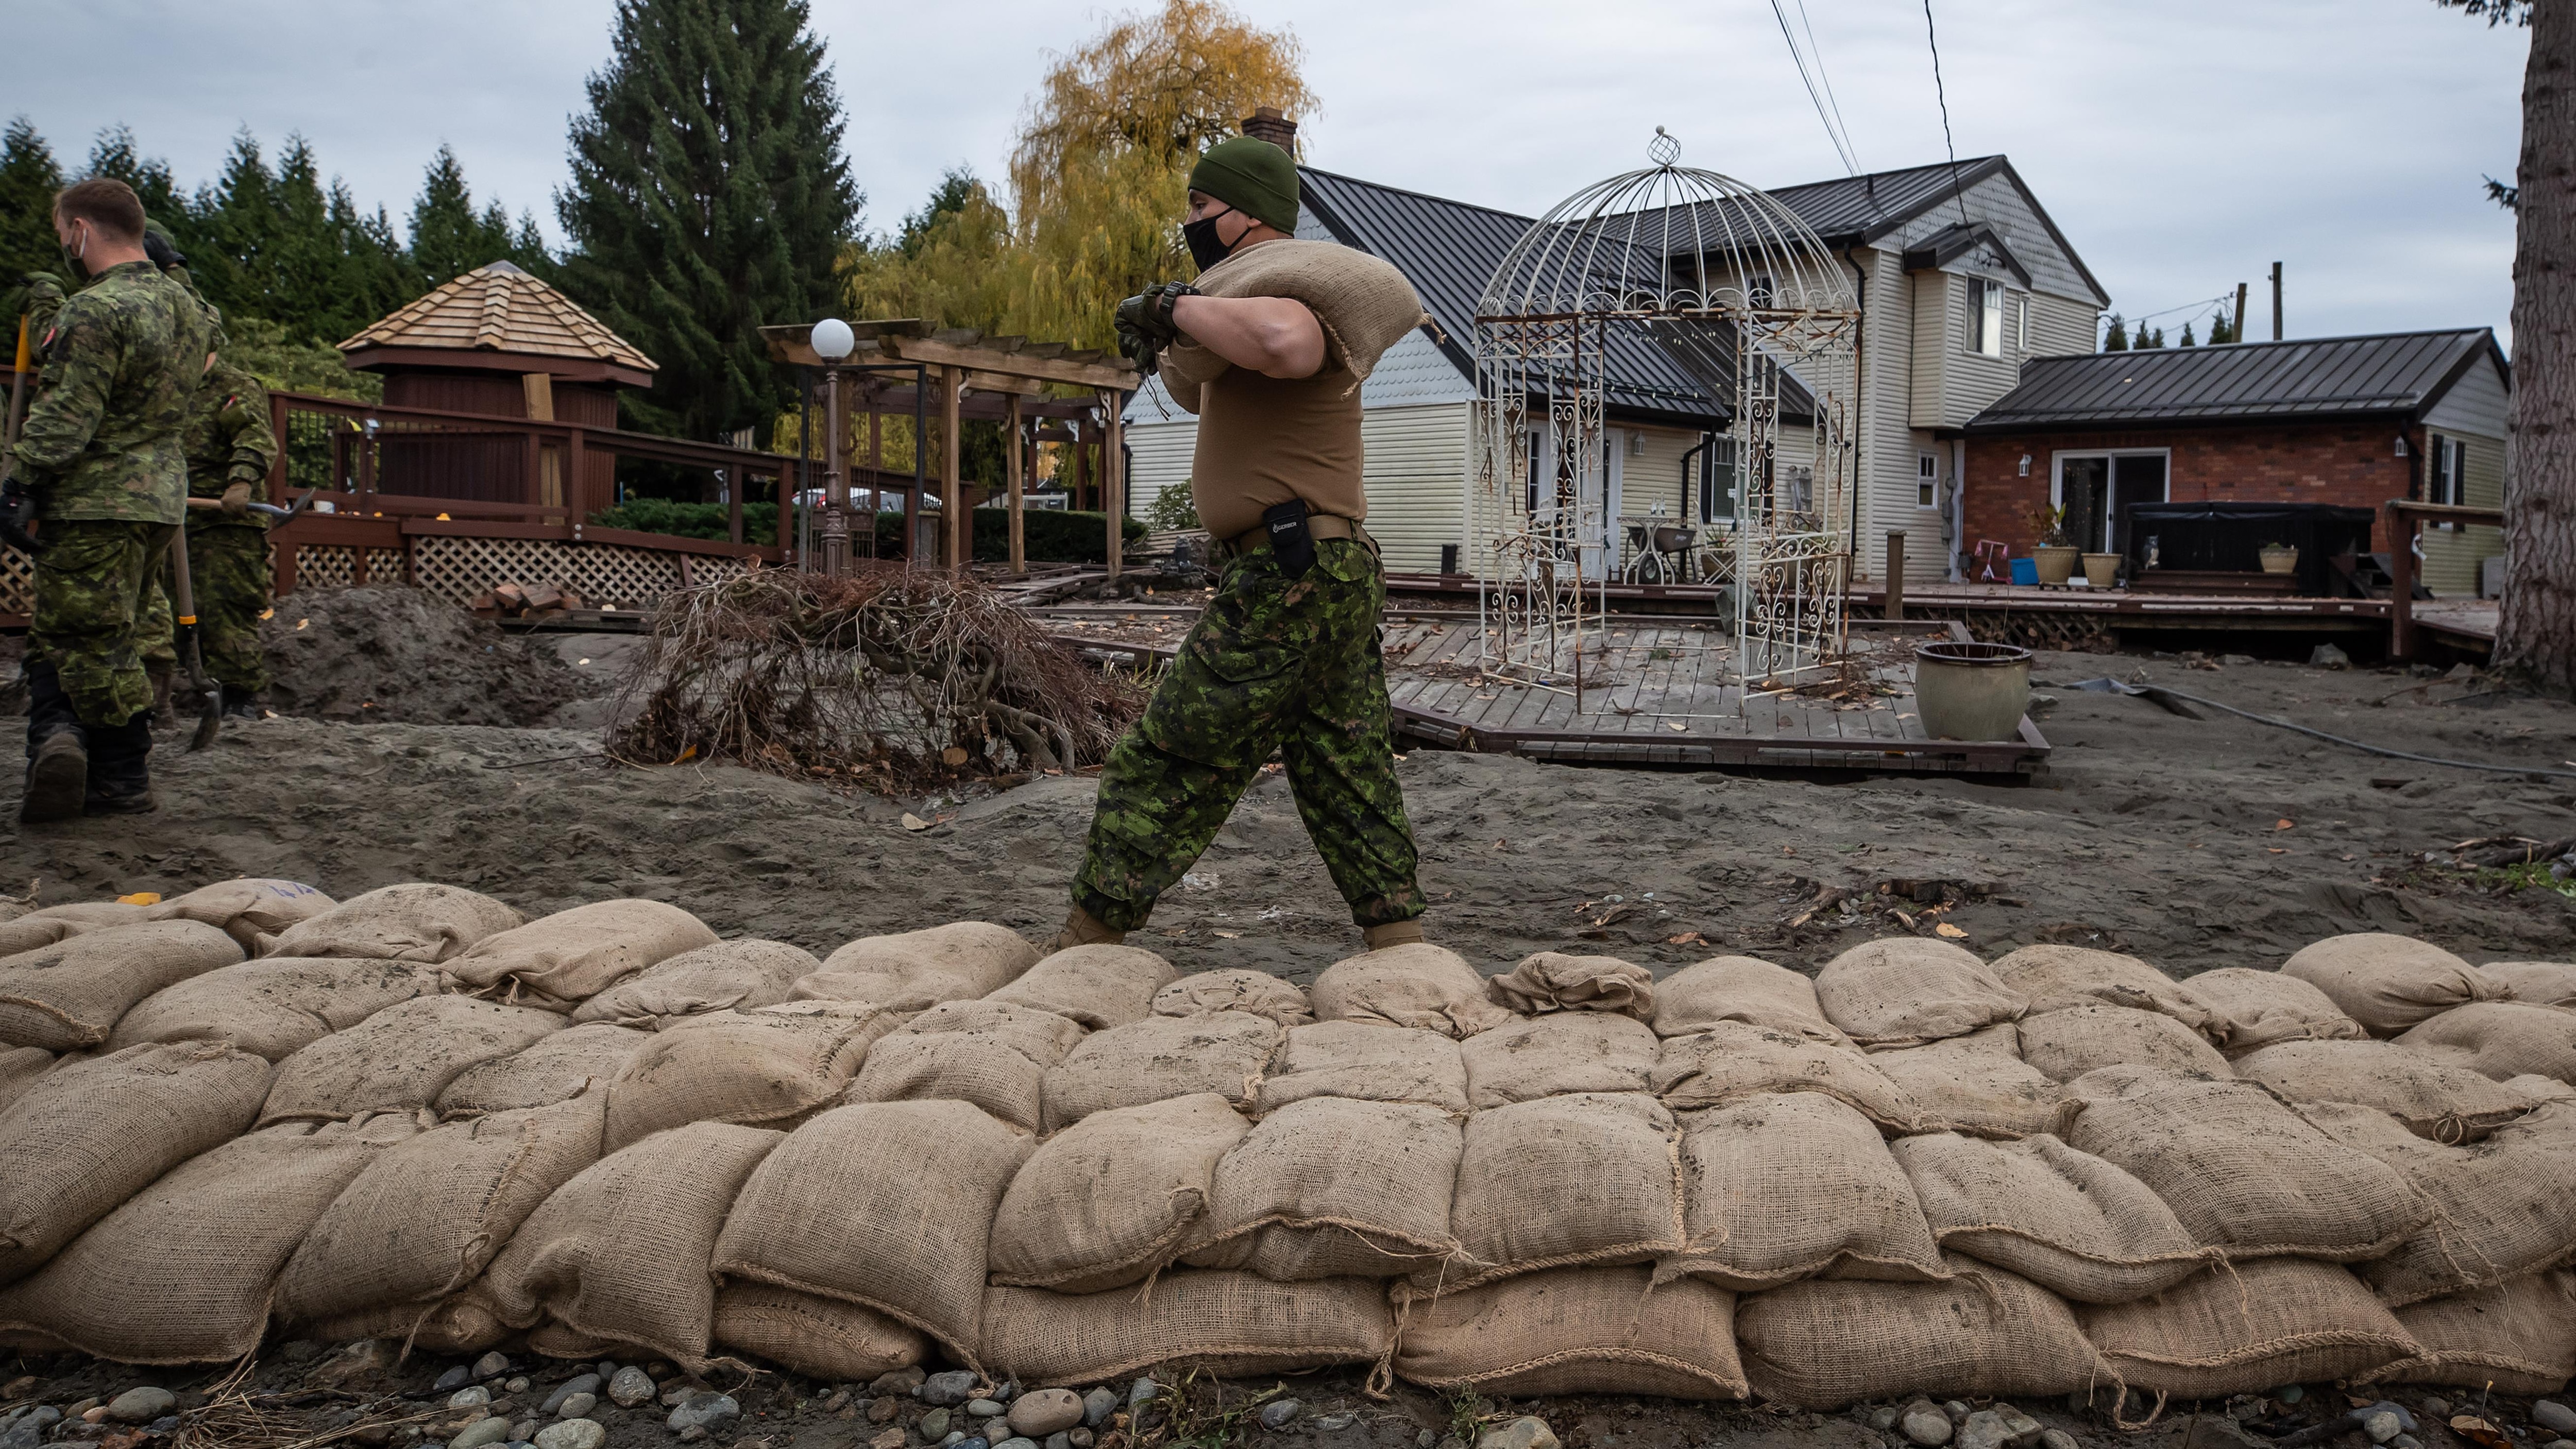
(107,204)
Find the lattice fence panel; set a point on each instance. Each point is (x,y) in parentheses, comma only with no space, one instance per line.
(603,573)
(326,566)
(17,582)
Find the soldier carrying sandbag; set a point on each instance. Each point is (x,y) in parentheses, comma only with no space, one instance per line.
(1269,349)
(100,463)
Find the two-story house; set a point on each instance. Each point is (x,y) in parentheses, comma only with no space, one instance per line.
(1961,276)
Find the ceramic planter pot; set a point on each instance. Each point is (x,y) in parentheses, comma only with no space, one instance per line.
(2056,563)
(2279,560)
(2101,570)
(1972,691)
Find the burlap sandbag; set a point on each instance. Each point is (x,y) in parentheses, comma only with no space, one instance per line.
(1788,1186)
(19,1069)
(245,909)
(574,954)
(1236,989)
(773,1064)
(410,922)
(1977,1084)
(41,928)
(2432,1097)
(1907,990)
(1548,981)
(2247,1330)
(1563,1181)
(2064,1045)
(2066,1220)
(1330,1188)
(820,1337)
(2519,1336)
(883,1204)
(553,1069)
(1742,989)
(2388,983)
(2542,1089)
(1573,1331)
(274,1006)
(1225,1052)
(1549,1056)
(87,1135)
(2056,977)
(2534,983)
(1732,1061)
(990,1053)
(1237,1325)
(428,1216)
(1364,305)
(2261,1008)
(2242,1170)
(736,975)
(184,1271)
(1427,987)
(916,970)
(400,1058)
(1098,986)
(1823,1343)
(462,1323)
(2501,1208)
(1113,1197)
(69,995)
(620,1253)
(2504,1039)
(1368,1064)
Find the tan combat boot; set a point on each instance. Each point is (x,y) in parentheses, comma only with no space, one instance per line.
(1082,928)
(164,680)
(1393,933)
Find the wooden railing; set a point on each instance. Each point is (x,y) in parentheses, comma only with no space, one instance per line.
(2405,520)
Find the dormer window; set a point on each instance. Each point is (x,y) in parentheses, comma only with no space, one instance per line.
(1985,317)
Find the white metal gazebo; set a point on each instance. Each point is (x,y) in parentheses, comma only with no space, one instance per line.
(1627,279)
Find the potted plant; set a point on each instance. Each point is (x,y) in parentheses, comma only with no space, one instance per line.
(2056,552)
(2279,558)
(2101,570)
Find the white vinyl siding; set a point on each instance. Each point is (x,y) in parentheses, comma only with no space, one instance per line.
(1416,457)
(2474,413)
(1158,457)
(2062,326)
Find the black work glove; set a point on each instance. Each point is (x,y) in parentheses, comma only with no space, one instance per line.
(1145,324)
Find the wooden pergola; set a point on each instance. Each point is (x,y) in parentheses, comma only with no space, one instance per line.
(969,375)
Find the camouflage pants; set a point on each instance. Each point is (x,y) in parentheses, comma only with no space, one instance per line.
(93,589)
(1273,663)
(229,574)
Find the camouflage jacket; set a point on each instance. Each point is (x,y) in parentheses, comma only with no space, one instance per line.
(122,361)
(229,441)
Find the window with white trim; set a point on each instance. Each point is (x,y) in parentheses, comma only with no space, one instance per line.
(1927,473)
(2446,470)
(1985,317)
(2021,330)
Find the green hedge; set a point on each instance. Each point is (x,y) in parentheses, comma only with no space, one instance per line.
(1053,535)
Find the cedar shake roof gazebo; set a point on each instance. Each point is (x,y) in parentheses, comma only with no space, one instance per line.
(499,343)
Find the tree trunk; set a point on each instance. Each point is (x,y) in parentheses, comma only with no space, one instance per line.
(2538,629)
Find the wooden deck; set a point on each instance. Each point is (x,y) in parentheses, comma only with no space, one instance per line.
(1664,692)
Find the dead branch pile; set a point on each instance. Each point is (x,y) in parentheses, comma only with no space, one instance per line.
(898,679)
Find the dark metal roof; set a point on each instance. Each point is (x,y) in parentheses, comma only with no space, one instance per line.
(1449,251)
(2397,374)
(1861,209)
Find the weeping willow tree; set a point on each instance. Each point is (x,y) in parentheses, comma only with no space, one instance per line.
(1098,180)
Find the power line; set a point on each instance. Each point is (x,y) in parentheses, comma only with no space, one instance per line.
(1951,146)
(1842,146)
(1818,51)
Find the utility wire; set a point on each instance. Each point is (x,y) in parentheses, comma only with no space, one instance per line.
(1937,90)
(1850,151)
(1842,145)
(2115,686)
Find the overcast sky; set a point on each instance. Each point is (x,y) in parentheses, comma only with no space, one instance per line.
(2181,145)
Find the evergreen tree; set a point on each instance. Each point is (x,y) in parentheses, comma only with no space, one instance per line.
(115,157)
(2187,339)
(29,178)
(956,191)
(709,197)
(2222,328)
(450,238)
(2117,339)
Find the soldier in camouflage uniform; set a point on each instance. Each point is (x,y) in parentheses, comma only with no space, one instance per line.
(1285,658)
(230,445)
(101,452)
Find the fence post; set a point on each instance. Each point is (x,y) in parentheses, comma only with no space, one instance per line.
(1895,606)
(2401,582)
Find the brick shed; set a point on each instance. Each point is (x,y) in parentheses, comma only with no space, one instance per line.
(2354,421)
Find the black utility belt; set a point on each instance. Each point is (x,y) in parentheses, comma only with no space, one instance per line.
(1290,533)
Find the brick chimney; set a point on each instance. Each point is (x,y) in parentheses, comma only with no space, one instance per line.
(1266,124)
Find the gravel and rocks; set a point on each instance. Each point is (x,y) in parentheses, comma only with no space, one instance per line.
(573,1434)
(1097,1406)
(704,1410)
(2553,1416)
(578,1384)
(1522,1433)
(141,1405)
(983,1409)
(480,1433)
(469,1396)
(1280,1413)
(492,1365)
(2381,1426)
(630,1386)
(1042,1412)
(948,1390)
(1925,1424)
(934,1426)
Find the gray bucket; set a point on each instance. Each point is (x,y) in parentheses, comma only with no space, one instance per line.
(1971,691)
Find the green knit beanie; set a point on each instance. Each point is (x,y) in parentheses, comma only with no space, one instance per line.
(1252,176)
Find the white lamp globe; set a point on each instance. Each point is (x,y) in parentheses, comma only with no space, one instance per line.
(833,339)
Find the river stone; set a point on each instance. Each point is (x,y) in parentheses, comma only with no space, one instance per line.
(1142,1391)
(2056,1439)
(1925,1424)
(1016,1442)
(947,1390)
(1061,1439)
(492,1365)
(1078,1438)
(934,1426)
(469,1396)
(577,1406)
(984,1408)
(573,1434)
(140,1405)
(1280,1413)
(1521,1433)
(578,1384)
(703,1411)
(2381,1426)
(2553,1416)
(630,1386)
(1041,1412)
(482,1432)
(1097,1406)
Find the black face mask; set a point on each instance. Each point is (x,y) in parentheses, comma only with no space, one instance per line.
(1205,247)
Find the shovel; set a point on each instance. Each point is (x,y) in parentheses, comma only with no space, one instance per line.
(183,603)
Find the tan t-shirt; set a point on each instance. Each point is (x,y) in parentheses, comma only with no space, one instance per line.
(1265,440)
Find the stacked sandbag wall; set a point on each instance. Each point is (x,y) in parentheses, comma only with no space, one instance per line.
(417,1116)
